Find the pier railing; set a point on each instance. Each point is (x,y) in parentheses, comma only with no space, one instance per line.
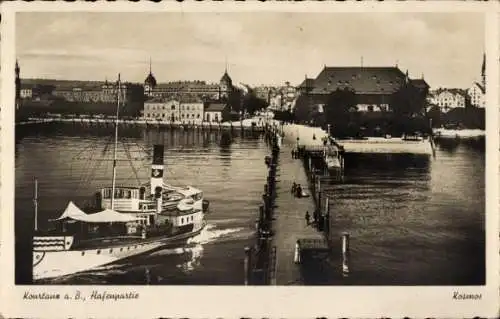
(260,261)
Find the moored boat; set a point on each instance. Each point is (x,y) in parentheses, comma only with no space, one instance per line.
(332,162)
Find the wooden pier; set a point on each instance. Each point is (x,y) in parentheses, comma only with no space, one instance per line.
(287,240)
(291,227)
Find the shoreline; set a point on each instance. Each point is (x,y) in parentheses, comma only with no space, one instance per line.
(247,123)
(464,133)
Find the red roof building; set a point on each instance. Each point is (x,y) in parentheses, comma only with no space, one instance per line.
(373,86)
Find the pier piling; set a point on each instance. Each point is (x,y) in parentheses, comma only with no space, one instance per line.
(296,255)
(247,265)
(345,254)
(326,216)
(147,276)
(326,228)
(262,268)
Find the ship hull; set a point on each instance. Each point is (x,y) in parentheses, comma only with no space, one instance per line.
(52,264)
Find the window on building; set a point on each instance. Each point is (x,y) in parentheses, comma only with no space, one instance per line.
(173,107)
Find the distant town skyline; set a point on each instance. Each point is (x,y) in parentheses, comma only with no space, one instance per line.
(260,48)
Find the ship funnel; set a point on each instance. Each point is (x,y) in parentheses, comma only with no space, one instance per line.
(157,168)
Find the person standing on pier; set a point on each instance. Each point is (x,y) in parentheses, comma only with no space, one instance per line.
(294,188)
(307,218)
(299,191)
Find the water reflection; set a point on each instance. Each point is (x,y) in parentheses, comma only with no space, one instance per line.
(225,148)
(391,163)
(452,144)
(449,145)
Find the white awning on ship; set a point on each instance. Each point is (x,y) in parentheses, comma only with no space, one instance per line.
(72,211)
(105,216)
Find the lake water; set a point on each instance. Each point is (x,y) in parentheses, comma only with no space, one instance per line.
(412,219)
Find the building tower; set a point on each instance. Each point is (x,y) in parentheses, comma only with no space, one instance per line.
(18,86)
(483,72)
(150,82)
(225,85)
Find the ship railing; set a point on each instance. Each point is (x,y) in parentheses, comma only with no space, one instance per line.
(91,242)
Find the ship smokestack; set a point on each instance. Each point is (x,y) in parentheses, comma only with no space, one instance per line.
(157,168)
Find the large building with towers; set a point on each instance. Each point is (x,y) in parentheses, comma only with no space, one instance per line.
(199,89)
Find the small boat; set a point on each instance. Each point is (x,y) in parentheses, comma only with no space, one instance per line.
(330,156)
(332,162)
(123,221)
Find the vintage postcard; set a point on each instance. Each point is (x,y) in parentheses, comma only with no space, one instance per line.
(249,160)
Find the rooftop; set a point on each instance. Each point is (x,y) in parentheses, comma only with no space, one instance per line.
(225,77)
(150,79)
(366,80)
(420,83)
(451,90)
(307,83)
(480,86)
(159,100)
(215,107)
(27,85)
(187,98)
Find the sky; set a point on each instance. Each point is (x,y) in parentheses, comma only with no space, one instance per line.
(260,48)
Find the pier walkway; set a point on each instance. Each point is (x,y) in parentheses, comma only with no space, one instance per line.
(290,223)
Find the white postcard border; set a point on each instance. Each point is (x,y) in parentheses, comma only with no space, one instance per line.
(225,302)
